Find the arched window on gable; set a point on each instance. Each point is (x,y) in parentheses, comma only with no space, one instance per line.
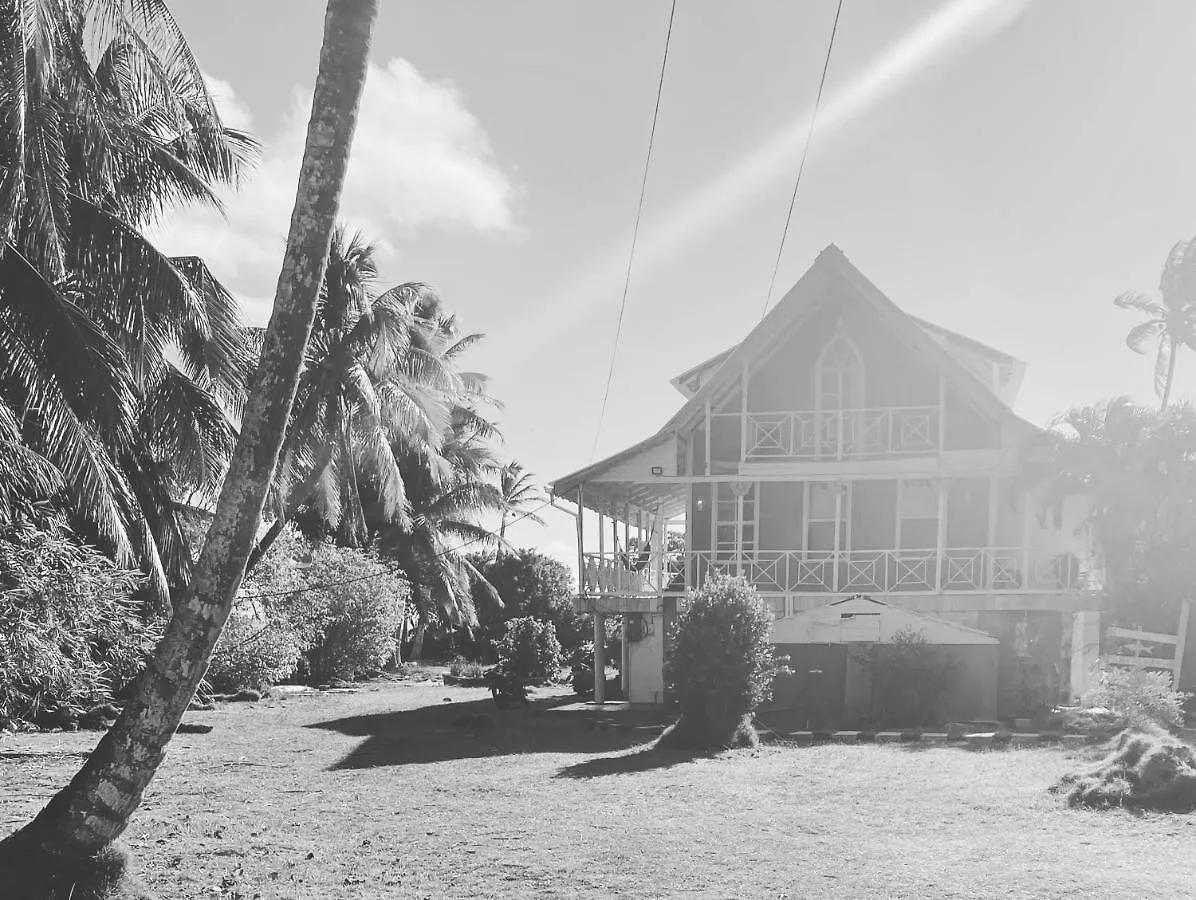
(839,376)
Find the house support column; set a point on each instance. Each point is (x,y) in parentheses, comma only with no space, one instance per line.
(708,438)
(625,662)
(660,545)
(599,658)
(940,542)
(990,562)
(743,414)
(581,546)
(1085,651)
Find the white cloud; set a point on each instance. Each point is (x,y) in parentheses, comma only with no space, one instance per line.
(233,111)
(420,158)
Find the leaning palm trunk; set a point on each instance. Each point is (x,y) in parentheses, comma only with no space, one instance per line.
(66,850)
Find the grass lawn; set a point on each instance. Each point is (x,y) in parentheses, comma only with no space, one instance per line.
(373,795)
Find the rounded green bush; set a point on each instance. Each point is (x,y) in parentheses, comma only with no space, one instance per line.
(721,665)
(529,650)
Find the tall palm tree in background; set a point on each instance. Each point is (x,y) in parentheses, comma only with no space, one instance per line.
(114,359)
(521,494)
(1171,321)
(380,380)
(55,856)
(451,497)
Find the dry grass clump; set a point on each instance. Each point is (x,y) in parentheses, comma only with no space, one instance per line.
(1148,768)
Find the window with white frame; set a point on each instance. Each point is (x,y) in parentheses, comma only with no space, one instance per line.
(727,520)
(917,514)
(839,376)
(827,506)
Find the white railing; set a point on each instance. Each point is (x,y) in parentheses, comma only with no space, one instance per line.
(848,571)
(617,573)
(840,434)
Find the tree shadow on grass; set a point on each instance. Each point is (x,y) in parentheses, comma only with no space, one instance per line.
(645,760)
(428,734)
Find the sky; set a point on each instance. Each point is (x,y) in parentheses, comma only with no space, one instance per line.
(1003,168)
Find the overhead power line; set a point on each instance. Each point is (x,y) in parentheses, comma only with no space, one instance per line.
(801,167)
(635,231)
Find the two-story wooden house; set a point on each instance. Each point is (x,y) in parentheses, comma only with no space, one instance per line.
(843,447)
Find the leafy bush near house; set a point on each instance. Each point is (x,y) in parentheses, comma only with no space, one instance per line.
(910,675)
(529,650)
(71,634)
(1142,696)
(721,667)
(530,584)
(254,652)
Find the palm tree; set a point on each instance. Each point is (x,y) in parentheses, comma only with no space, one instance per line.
(379,374)
(520,494)
(433,546)
(55,855)
(1171,321)
(114,358)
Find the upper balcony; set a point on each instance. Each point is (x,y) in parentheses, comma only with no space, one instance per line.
(847,434)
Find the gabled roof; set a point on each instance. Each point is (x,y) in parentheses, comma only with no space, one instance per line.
(685,382)
(832,268)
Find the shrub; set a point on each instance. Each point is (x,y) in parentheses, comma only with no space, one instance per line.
(1147,769)
(910,675)
(253,653)
(461,667)
(1142,696)
(70,632)
(529,650)
(346,617)
(721,666)
(530,584)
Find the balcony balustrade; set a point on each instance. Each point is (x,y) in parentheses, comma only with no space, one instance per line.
(848,571)
(840,434)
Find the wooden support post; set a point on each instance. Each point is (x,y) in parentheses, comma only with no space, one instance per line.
(599,658)
(708,436)
(581,546)
(660,545)
(625,662)
(743,413)
(601,535)
(993,498)
(1181,642)
(1027,549)
(838,544)
(942,411)
(689,560)
(738,533)
(940,542)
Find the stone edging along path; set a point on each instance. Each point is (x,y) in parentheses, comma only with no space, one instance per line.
(977,740)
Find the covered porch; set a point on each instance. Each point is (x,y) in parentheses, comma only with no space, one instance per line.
(625,508)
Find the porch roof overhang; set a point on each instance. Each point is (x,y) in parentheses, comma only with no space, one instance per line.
(637,477)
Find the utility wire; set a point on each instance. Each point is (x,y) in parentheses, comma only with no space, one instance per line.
(639,210)
(804,153)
